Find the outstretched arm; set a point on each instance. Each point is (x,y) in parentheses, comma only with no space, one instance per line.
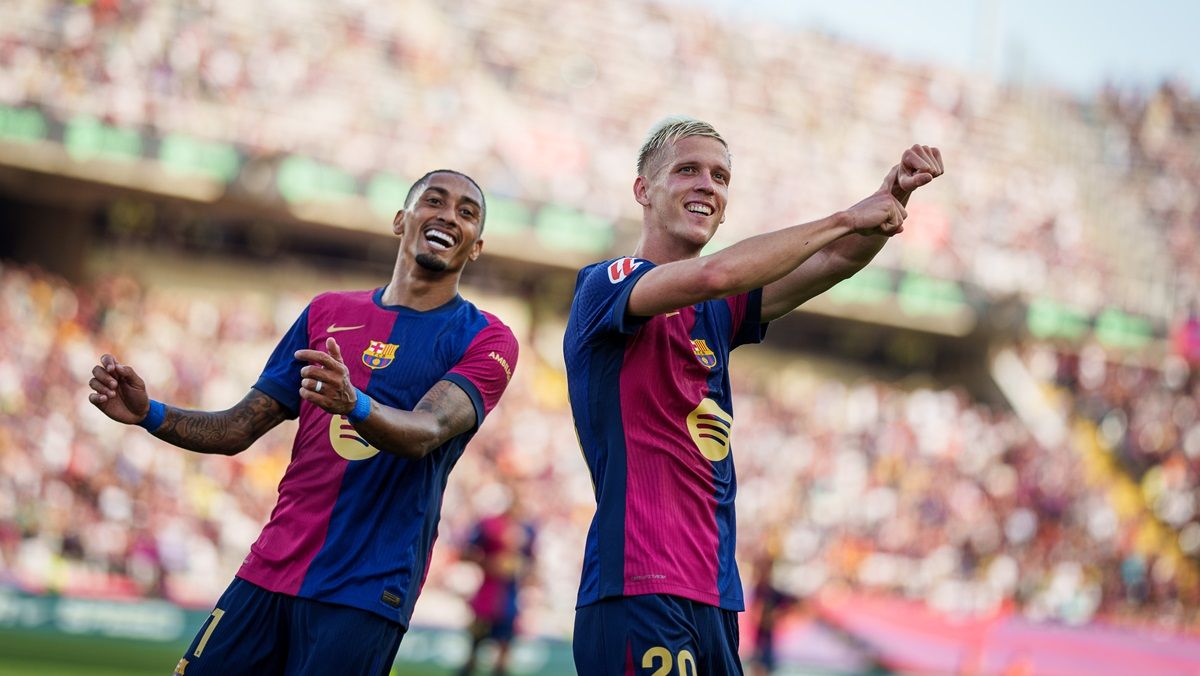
(842,258)
(759,260)
(120,393)
(443,413)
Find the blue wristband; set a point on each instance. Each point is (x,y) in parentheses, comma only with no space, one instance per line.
(362,407)
(158,411)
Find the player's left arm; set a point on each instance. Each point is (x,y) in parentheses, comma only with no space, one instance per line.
(845,256)
(444,412)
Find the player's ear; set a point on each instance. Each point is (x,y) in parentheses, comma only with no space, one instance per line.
(398,223)
(476,249)
(640,191)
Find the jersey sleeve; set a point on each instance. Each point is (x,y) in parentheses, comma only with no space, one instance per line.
(746,311)
(280,378)
(602,295)
(486,367)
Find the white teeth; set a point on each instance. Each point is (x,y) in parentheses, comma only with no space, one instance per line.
(439,239)
(699,209)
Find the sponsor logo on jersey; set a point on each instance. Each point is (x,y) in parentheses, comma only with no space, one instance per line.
(711,428)
(346,441)
(704,355)
(622,268)
(378,355)
(503,364)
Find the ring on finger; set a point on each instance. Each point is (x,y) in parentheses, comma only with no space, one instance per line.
(317,389)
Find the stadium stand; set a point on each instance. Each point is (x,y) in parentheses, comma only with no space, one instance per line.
(285,128)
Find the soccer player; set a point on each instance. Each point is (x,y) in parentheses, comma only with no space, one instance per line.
(389,386)
(647,351)
(502,545)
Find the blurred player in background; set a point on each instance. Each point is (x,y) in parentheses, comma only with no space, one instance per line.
(389,386)
(502,546)
(771,603)
(647,347)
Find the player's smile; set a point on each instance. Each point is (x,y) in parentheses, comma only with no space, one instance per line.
(700,208)
(440,237)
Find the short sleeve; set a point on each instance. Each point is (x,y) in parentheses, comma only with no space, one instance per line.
(280,378)
(486,367)
(746,312)
(602,296)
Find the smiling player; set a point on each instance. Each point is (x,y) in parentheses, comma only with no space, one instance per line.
(647,352)
(389,386)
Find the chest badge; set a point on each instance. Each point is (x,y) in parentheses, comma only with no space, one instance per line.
(704,355)
(378,354)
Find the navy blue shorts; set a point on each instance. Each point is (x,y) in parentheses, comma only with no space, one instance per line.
(257,632)
(655,634)
(501,629)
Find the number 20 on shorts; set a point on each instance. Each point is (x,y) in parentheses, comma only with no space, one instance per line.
(660,659)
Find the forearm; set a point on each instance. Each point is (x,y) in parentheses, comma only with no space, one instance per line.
(443,413)
(408,434)
(850,254)
(749,264)
(839,261)
(760,260)
(225,432)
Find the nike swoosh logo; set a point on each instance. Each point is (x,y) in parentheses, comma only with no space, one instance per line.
(334,328)
(672,314)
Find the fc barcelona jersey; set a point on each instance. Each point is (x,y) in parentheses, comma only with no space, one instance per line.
(655,421)
(353,525)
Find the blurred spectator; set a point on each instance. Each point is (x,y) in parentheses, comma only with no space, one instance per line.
(1186,338)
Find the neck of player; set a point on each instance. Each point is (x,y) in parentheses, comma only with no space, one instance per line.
(659,248)
(419,289)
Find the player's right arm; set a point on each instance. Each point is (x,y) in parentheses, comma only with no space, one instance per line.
(120,393)
(760,260)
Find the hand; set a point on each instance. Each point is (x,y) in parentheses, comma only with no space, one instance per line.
(879,214)
(118,391)
(326,380)
(918,166)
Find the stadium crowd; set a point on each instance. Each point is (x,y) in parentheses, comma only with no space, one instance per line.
(912,490)
(1090,202)
(1149,419)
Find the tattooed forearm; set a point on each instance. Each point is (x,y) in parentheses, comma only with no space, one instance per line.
(224,432)
(443,413)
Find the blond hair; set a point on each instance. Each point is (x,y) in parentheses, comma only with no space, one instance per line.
(670,130)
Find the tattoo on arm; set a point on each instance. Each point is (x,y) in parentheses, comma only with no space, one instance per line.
(450,404)
(225,432)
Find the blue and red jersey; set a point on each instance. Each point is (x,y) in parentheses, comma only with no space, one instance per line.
(653,412)
(506,546)
(353,525)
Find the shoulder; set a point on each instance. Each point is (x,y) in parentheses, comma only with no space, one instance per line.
(610,273)
(476,320)
(342,298)
(616,270)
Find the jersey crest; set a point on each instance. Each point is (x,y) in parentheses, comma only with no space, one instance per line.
(704,355)
(379,354)
(622,268)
